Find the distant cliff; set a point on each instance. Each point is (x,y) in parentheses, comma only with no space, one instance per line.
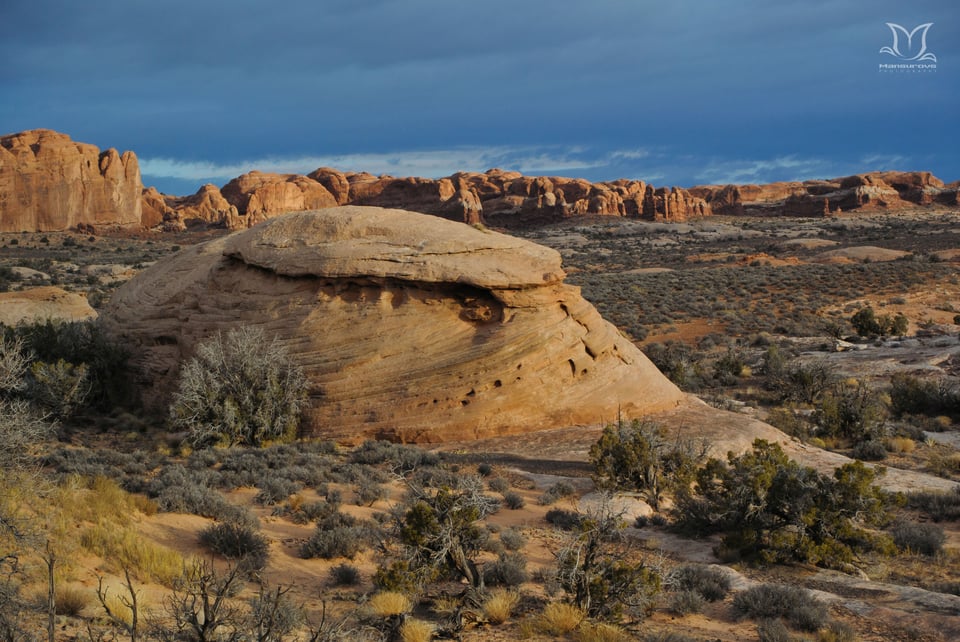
(874,191)
(50,183)
(497,198)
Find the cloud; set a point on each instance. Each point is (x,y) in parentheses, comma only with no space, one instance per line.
(763,170)
(427,163)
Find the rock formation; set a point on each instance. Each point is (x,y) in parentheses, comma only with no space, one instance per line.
(49,183)
(875,191)
(43,303)
(498,198)
(409,327)
(207,207)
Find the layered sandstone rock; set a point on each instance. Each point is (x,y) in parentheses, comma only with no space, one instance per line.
(49,183)
(408,326)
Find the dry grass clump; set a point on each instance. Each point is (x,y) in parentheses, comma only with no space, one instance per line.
(901,445)
(498,607)
(389,603)
(71,600)
(601,632)
(121,611)
(414,630)
(559,618)
(127,547)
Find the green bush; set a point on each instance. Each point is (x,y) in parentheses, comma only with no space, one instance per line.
(773,509)
(913,395)
(640,456)
(239,389)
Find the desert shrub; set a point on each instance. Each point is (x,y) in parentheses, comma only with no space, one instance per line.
(513,501)
(273,491)
(932,397)
(836,631)
(239,389)
(640,456)
(71,600)
(369,492)
(512,539)
(939,505)
(676,360)
(440,530)
(773,509)
(402,458)
(237,541)
(484,469)
(82,345)
(870,450)
(925,539)
(770,601)
(707,581)
(795,380)
(867,324)
(685,601)
(60,386)
(556,492)
(338,535)
(498,485)
(180,490)
(563,519)
(853,412)
(344,575)
(510,569)
(599,572)
(774,630)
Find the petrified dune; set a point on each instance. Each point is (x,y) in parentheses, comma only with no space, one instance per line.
(409,326)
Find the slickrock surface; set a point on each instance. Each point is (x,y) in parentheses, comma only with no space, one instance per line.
(408,326)
(40,304)
(50,183)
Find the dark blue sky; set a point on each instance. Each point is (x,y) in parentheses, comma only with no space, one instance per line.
(676,93)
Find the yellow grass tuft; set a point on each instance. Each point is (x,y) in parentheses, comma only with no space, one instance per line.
(445,605)
(389,603)
(559,618)
(128,548)
(901,445)
(120,610)
(416,631)
(498,607)
(601,632)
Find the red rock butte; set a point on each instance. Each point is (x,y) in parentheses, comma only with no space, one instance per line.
(408,327)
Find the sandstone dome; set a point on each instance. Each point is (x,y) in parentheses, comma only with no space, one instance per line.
(408,326)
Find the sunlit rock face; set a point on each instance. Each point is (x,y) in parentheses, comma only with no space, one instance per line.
(408,326)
